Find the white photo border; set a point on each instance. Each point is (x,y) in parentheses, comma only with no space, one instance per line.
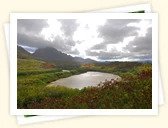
(13,64)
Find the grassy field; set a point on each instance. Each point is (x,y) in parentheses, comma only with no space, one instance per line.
(133,91)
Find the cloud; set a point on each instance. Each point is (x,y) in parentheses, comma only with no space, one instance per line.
(58,43)
(29,35)
(141,57)
(32,41)
(109,55)
(64,45)
(31,26)
(73,52)
(104,55)
(101,46)
(142,44)
(112,40)
(115,30)
(69,26)
(138,49)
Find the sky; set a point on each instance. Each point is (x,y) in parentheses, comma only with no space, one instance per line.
(101,40)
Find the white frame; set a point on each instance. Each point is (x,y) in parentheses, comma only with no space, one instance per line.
(13,64)
(126,9)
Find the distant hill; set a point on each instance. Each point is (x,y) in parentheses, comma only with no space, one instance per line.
(53,55)
(85,61)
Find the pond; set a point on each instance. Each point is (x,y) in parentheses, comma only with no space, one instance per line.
(85,79)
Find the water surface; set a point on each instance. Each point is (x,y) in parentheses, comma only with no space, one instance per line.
(85,79)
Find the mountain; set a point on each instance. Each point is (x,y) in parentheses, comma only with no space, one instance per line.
(22,53)
(53,55)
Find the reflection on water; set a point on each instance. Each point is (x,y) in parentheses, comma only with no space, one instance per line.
(84,80)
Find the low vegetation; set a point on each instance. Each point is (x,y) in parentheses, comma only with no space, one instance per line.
(133,91)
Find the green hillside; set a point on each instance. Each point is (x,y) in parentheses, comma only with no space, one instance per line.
(33,65)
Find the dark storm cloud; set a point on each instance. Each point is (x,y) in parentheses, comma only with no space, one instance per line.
(38,42)
(141,44)
(115,30)
(32,41)
(31,26)
(69,26)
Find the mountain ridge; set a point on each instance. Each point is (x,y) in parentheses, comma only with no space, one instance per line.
(22,53)
(50,54)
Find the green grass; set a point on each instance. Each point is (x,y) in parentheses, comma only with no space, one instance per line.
(33,78)
(134,91)
(28,65)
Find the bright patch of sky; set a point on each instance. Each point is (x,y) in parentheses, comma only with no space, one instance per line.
(52,31)
(87,35)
